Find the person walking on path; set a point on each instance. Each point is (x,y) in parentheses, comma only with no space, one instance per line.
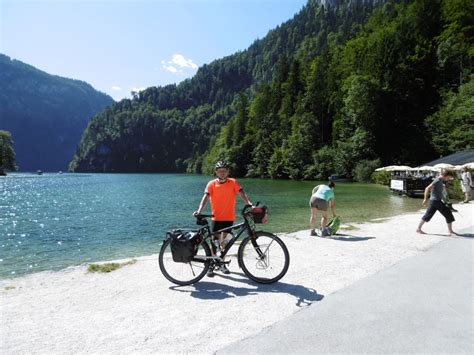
(222,194)
(321,197)
(466,183)
(436,190)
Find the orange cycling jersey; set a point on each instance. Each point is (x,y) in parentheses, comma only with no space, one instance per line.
(223,198)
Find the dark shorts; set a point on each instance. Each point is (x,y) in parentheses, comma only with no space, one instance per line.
(218,225)
(318,203)
(436,205)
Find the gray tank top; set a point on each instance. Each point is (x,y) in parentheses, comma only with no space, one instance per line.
(437,191)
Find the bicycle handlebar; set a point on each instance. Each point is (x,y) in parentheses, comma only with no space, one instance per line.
(245,210)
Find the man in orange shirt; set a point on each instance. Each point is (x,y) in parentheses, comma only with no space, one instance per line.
(222,192)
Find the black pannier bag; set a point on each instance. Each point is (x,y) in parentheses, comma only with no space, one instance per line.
(260,214)
(184,244)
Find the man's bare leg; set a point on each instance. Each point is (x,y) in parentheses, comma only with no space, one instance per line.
(467,197)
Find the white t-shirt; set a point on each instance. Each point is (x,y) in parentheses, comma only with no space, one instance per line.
(466,178)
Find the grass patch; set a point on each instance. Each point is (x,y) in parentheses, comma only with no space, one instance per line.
(9,288)
(108,267)
(349,227)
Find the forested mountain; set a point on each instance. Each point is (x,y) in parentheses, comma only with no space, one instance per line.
(46,114)
(343,85)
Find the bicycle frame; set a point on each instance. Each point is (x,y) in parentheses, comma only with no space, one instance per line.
(247,225)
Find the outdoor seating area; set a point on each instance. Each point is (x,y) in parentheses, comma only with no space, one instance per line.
(413,181)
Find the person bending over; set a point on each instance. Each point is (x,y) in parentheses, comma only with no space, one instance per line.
(322,196)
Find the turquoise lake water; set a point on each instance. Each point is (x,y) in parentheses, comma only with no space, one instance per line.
(52,221)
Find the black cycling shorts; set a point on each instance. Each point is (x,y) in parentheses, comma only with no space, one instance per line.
(437,205)
(218,225)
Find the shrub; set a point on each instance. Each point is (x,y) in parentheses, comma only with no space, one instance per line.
(323,166)
(108,267)
(381,177)
(454,190)
(364,169)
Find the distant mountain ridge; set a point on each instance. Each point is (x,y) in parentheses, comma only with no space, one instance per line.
(343,87)
(45,113)
(169,128)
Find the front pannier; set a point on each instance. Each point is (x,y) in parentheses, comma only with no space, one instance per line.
(184,244)
(260,214)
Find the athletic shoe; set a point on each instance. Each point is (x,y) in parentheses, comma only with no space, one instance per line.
(210,272)
(325,233)
(224,269)
(313,233)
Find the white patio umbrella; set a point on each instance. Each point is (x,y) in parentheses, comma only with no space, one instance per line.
(423,168)
(444,166)
(385,168)
(400,168)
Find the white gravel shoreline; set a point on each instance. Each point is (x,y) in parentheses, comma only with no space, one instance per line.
(135,309)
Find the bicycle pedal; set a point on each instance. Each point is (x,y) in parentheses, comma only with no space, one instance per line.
(219,261)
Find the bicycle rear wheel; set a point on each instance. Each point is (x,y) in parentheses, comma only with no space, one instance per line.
(184,273)
(264,258)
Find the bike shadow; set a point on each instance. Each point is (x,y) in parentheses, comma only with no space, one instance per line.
(217,291)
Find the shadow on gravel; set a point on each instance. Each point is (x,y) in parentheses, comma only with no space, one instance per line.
(217,291)
(349,238)
(458,235)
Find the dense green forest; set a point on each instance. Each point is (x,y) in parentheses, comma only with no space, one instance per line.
(7,154)
(341,88)
(46,114)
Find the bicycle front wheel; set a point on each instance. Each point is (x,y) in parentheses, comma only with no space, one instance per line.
(184,273)
(264,258)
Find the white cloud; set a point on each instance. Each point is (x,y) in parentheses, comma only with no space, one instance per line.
(182,62)
(177,63)
(116,88)
(137,89)
(170,68)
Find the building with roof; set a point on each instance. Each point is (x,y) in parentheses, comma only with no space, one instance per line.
(458,158)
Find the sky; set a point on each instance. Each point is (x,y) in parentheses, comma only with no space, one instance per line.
(122,45)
